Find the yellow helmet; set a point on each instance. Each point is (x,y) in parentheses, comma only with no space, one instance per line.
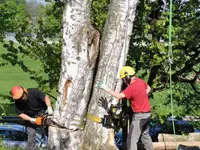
(126,71)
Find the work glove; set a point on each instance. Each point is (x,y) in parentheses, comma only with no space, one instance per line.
(38,121)
(103,86)
(49,111)
(33,120)
(103,102)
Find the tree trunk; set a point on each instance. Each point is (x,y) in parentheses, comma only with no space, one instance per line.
(113,52)
(78,96)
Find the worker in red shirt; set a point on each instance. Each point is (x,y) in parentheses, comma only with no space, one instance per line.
(137,93)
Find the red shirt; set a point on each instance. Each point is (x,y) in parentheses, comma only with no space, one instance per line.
(136,93)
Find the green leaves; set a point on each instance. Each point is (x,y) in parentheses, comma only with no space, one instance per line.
(99,9)
(149,42)
(39,41)
(148,53)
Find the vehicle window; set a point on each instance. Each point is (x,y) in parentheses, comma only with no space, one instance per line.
(4,134)
(18,136)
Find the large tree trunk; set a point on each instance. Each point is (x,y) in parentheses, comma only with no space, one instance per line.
(113,51)
(77,95)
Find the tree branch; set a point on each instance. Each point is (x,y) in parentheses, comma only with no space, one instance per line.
(152,74)
(189,80)
(194,88)
(195,50)
(189,64)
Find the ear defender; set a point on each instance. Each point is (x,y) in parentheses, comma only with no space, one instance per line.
(126,73)
(127,77)
(24,90)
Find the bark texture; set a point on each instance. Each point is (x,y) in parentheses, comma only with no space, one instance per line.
(79,52)
(77,94)
(113,51)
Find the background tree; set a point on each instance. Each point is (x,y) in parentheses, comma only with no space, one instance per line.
(149,51)
(151,38)
(40,42)
(12,15)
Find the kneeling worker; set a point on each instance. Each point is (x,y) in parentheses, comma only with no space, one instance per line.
(29,104)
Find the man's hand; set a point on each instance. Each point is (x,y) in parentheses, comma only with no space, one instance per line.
(103,102)
(38,121)
(101,85)
(49,111)
(33,120)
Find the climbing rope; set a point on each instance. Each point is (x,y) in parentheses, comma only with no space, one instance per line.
(170,56)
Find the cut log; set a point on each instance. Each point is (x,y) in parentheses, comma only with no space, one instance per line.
(179,138)
(170,138)
(194,137)
(173,145)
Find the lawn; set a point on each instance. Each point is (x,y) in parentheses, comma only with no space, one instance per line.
(13,75)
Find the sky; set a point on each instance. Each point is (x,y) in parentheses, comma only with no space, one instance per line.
(41,1)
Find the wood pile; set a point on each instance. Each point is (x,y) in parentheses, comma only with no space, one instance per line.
(171,142)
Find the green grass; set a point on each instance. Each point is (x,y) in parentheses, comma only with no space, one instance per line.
(13,75)
(10,76)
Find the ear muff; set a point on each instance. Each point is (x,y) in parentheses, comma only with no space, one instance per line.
(127,78)
(24,90)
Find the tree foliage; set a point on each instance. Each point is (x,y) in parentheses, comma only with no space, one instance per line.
(149,53)
(99,10)
(12,16)
(40,41)
(148,49)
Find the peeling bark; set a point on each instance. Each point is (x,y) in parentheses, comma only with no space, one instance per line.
(113,51)
(80,50)
(79,53)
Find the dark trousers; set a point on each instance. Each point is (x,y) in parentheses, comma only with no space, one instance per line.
(31,130)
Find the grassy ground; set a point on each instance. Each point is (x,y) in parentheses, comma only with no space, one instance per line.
(13,75)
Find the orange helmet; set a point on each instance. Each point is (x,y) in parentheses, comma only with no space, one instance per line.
(17,92)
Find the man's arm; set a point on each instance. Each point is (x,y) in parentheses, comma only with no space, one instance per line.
(116,94)
(26,117)
(37,121)
(111,92)
(48,103)
(148,89)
